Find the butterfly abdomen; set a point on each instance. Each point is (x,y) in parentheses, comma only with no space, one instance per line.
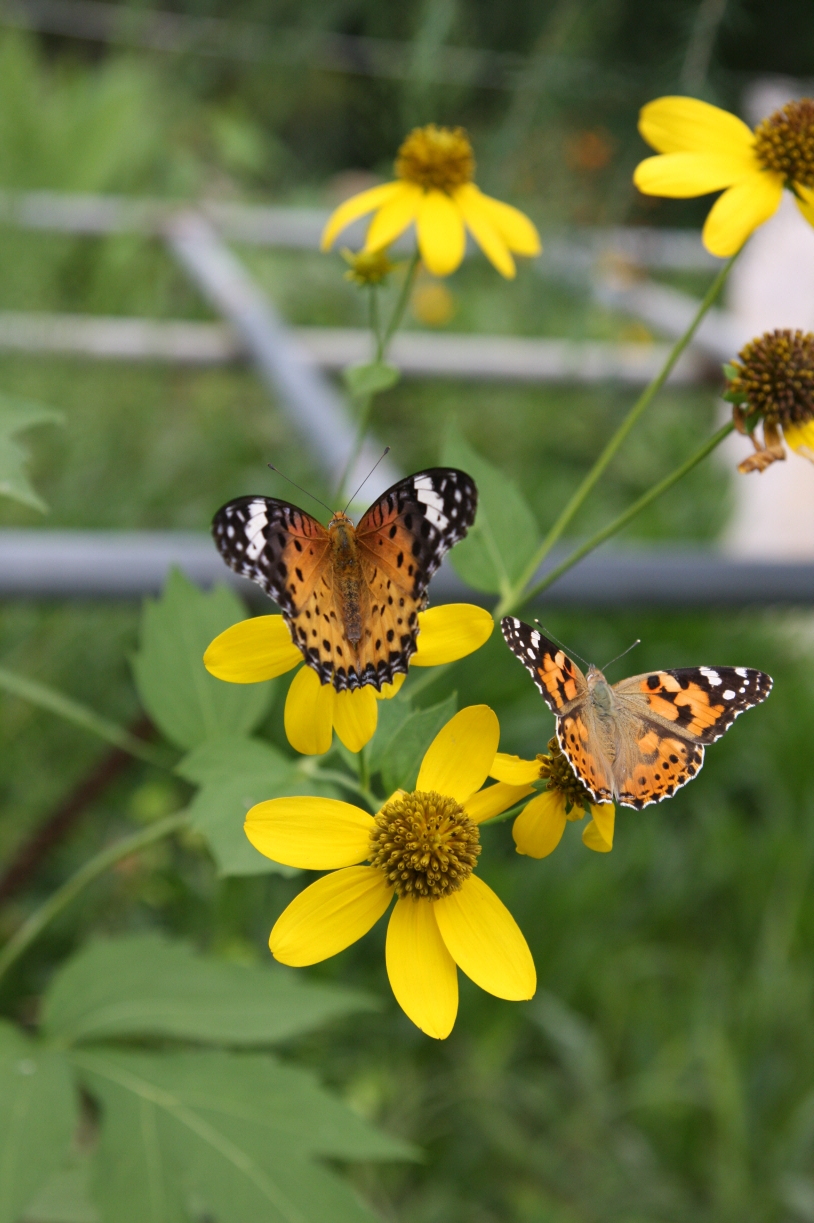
(348,576)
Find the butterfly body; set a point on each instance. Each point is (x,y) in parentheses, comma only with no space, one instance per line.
(351,594)
(638,741)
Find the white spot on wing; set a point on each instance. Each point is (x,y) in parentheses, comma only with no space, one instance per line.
(712,677)
(741,671)
(729,695)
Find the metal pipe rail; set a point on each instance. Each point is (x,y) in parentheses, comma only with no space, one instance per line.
(65,564)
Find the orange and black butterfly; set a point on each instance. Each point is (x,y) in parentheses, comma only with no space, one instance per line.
(351,595)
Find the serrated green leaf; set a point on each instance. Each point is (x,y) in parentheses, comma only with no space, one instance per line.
(402,758)
(15,416)
(371,378)
(143,986)
(505,535)
(236,1134)
(37,1118)
(187,703)
(234,773)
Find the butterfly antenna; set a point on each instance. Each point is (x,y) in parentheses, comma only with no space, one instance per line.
(300,487)
(367,477)
(567,649)
(638,641)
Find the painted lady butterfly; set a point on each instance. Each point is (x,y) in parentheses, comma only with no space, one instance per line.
(351,595)
(637,741)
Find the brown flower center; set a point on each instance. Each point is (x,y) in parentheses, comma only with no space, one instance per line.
(775,377)
(785,142)
(436,157)
(425,843)
(561,777)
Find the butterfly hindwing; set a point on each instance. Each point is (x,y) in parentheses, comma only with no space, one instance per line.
(275,544)
(557,678)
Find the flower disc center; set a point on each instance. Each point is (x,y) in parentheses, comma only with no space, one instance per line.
(562,779)
(775,374)
(785,142)
(425,843)
(438,157)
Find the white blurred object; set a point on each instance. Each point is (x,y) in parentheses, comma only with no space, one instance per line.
(772,285)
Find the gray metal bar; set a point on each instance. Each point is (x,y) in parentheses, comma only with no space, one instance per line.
(43,564)
(417,354)
(315,409)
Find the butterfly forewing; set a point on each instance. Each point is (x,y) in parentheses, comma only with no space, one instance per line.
(274,544)
(699,703)
(557,678)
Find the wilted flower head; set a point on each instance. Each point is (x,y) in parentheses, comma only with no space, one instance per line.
(771,384)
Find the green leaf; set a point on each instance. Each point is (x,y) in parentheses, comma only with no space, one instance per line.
(370,379)
(187,703)
(144,986)
(64,1199)
(505,535)
(37,1118)
(393,714)
(15,416)
(401,757)
(230,1135)
(235,773)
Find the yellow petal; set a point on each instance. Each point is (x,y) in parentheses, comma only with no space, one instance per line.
(309,710)
(494,799)
(354,208)
(458,760)
(598,835)
(801,439)
(686,125)
(422,973)
(805,202)
(538,829)
(441,236)
(450,632)
(485,941)
(740,210)
(514,227)
(355,717)
(393,217)
(330,915)
(252,650)
(681,175)
(514,769)
(316,834)
(483,231)
(389,690)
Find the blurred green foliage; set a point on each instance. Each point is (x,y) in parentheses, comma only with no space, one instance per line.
(665,1072)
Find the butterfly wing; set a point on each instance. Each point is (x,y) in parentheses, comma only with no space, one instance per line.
(666,718)
(275,544)
(564,689)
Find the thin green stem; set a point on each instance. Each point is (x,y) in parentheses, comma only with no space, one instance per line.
(399,308)
(364,770)
(517,596)
(373,316)
(350,783)
(91,870)
(636,508)
(80,715)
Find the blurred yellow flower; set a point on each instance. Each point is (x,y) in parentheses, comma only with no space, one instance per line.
(704,149)
(367,268)
(538,829)
(261,648)
(771,384)
(423,848)
(432,304)
(434,189)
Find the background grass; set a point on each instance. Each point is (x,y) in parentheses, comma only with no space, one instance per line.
(665,1070)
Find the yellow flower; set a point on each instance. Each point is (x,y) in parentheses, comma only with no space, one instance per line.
(706,149)
(421,847)
(538,829)
(434,189)
(261,649)
(772,384)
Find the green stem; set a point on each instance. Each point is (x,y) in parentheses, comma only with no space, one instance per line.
(399,308)
(517,596)
(80,715)
(623,519)
(374,318)
(343,779)
(91,870)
